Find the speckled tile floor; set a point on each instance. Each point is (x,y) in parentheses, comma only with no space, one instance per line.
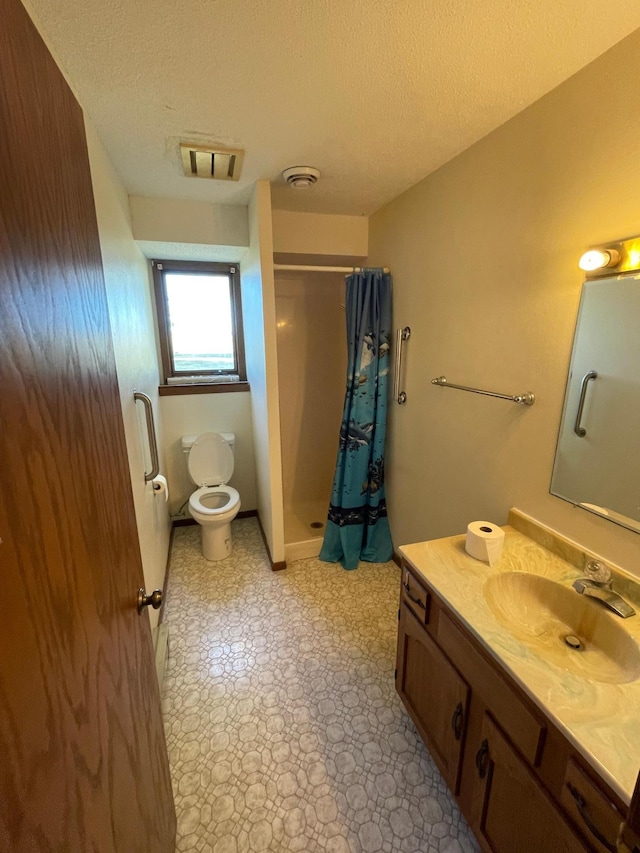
(283,726)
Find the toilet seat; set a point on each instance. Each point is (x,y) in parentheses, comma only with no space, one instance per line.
(230,505)
(210,460)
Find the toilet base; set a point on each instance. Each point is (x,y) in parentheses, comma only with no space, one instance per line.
(216,541)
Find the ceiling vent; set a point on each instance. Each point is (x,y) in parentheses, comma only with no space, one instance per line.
(301,177)
(217,164)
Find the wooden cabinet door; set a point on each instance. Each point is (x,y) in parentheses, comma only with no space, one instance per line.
(591,809)
(511,811)
(631,827)
(435,695)
(83,762)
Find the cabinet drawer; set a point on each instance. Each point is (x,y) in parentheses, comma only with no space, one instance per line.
(591,809)
(415,596)
(519,722)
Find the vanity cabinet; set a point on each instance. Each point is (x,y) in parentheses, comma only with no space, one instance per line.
(438,704)
(631,833)
(518,781)
(512,810)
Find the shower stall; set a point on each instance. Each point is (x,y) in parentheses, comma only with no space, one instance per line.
(312,366)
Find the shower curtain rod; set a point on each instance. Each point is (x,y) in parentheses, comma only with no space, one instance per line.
(303,268)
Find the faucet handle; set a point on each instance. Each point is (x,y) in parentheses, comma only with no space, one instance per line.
(597,572)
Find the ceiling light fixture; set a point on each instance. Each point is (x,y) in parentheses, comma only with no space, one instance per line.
(301,177)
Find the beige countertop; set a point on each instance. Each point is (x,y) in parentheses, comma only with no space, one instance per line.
(602,720)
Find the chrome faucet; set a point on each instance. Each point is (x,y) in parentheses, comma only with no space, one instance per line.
(598,584)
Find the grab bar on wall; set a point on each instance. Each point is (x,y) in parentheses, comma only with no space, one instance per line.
(402,335)
(153,444)
(579,430)
(526,399)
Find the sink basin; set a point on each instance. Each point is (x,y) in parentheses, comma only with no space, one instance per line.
(552,619)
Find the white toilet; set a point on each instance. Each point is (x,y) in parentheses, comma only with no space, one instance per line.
(213,505)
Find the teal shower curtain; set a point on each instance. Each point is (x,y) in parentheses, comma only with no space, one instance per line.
(357,527)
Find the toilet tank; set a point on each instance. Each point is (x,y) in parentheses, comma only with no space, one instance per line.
(187,440)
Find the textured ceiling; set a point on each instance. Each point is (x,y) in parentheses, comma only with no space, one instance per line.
(374,93)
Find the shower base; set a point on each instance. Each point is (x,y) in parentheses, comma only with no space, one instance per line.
(302,535)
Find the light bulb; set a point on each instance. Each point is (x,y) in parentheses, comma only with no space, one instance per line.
(598,259)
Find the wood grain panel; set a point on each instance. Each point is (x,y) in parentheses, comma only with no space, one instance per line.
(415,596)
(203,388)
(523,725)
(632,829)
(516,813)
(590,807)
(433,693)
(83,755)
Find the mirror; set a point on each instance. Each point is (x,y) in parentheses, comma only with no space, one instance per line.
(597,464)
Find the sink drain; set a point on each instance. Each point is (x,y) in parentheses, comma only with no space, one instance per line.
(573,642)
(317,525)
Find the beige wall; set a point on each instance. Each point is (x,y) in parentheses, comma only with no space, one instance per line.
(319,234)
(126,273)
(484,258)
(312,366)
(259,318)
(189,230)
(187,414)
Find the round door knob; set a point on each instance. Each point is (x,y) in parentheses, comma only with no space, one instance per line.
(154,600)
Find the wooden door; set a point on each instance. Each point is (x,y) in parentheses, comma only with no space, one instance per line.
(511,810)
(83,763)
(434,693)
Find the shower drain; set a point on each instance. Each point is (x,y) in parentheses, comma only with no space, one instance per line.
(316,525)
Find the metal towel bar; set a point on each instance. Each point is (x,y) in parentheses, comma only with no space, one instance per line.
(402,335)
(526,399)
(153,444)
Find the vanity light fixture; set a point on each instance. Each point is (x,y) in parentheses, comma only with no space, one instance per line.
(619,257)
(598,259)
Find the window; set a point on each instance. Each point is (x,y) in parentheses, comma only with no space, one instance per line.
(200,321)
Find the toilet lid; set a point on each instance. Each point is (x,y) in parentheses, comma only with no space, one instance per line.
(210,460)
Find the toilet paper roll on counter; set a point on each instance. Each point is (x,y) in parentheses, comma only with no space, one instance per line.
(484,541)
(160,486)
